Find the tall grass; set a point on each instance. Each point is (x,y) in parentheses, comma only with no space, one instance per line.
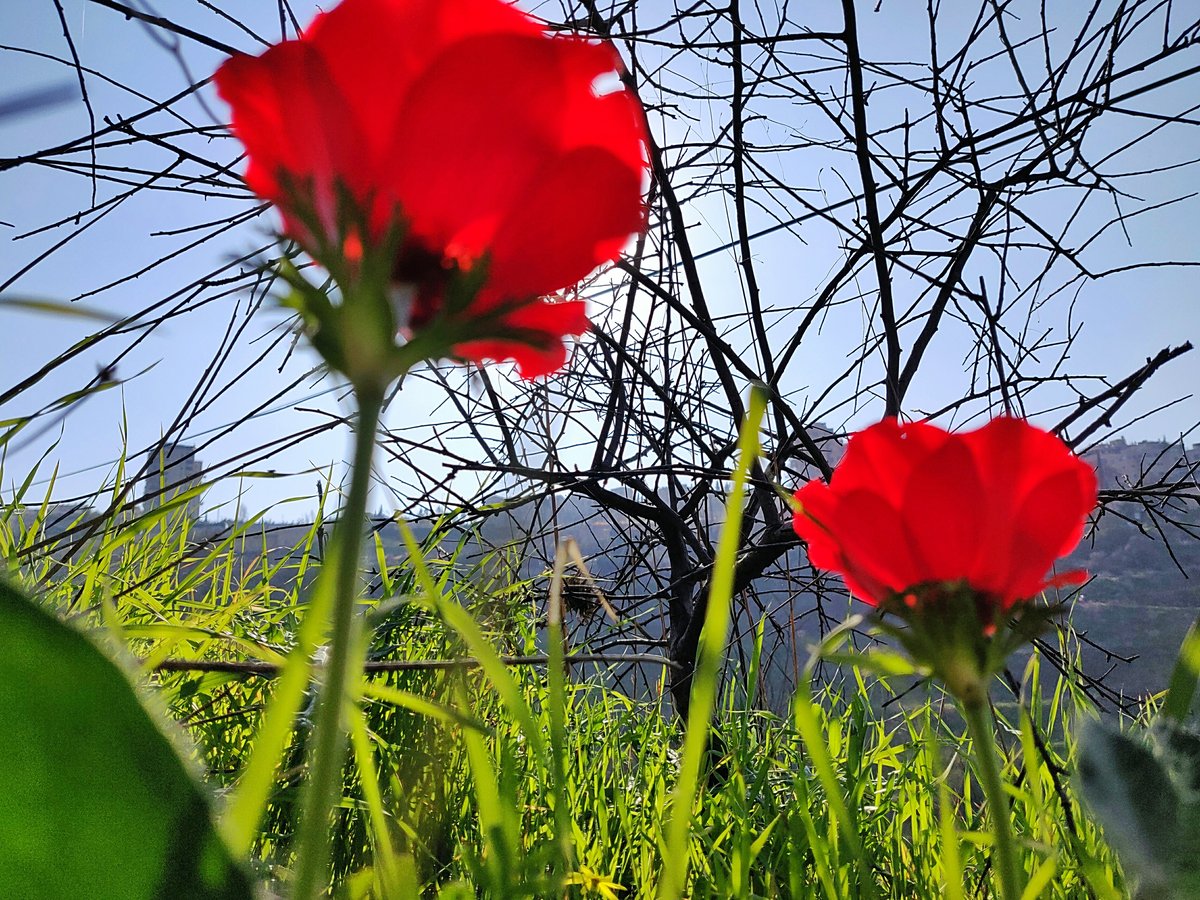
(499,781)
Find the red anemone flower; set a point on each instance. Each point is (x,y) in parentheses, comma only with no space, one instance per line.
(465,125)
(911,505)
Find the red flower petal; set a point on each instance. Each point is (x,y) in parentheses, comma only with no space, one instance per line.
(485,137)
(540,355)
(857,534)
(882,457)
(910,504)
(811,521)
(533,251)
(376,49)
(305,133)
(1072,578)
(1018,459)
(1048,525)
(475,133)
(944,507)
(874,540)
(604,115)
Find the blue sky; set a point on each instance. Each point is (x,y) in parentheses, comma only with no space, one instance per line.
(1126,318)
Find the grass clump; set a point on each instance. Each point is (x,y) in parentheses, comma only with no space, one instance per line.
(471,776)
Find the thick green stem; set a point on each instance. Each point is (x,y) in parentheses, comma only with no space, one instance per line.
(329,736)
(978,714)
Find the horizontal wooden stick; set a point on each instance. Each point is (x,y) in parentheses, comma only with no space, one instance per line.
(270,670)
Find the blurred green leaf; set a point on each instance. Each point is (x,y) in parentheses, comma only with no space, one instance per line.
(878,662)
(1178,749)
(1131,794)
(57,308)
(1182,689)
(94,799)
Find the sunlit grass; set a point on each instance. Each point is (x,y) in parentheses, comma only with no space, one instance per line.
(462,780)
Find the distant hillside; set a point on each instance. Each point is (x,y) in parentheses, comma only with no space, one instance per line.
(1143,595)
(1145,587)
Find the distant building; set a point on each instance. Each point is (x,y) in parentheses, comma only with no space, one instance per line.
(176,470)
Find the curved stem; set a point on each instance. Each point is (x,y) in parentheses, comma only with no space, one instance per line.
(978,714)
(329,737)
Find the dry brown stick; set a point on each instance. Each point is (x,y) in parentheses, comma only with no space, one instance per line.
(270,670)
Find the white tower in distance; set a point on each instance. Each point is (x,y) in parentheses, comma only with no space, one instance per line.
(175,471)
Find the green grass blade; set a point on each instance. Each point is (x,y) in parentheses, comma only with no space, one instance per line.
(249,800)
(1182,688)
(708,660)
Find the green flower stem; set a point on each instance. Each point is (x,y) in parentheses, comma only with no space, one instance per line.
(978,713)
(329,737)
